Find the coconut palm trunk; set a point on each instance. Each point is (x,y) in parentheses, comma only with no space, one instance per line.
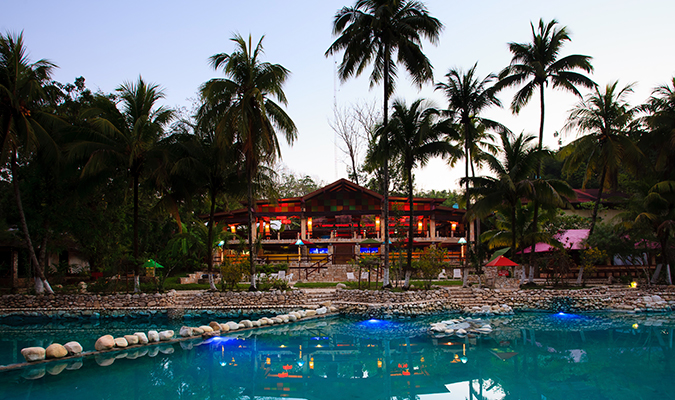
(411,230)
(41,283)
(385,170)
(209,243)
(251,227)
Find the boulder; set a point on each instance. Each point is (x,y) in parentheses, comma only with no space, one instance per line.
(131,339)
(121,342)
(165,335)
(32,354)
(206,328)
(292,317)
(214,325)
(247,323)
(106,342)
(73,348)
(278,320)
(233,325)
(256,323)
(310,313)
(142,337)
(197,331)
(153,336)
(56,350)
(185,331)
(321,310)
(341,286)
(224,328)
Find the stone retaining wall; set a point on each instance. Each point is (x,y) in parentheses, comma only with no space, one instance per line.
(91,301)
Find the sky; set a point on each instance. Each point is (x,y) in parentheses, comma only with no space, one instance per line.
(169,42)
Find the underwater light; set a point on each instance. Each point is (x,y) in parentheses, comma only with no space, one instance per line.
(301,364)
(222,242)
(463,360)
(635,326)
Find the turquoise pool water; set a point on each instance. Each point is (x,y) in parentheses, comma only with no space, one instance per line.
(530,356)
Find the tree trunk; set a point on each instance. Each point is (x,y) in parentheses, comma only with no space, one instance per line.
(598,200)
(385,167)
(209,243)
(137,265)
(406,282)
(251,227)
(467,219)
(535,218)
(580,276)
(411,226)
(41,283)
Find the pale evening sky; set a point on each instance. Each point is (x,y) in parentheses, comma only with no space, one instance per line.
(169,43)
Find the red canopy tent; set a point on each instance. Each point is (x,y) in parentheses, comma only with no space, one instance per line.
(501,261)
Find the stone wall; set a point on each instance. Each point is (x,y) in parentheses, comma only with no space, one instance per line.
(387,297)
(92,301)
(246,299)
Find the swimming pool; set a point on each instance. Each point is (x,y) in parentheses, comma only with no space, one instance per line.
(527,356)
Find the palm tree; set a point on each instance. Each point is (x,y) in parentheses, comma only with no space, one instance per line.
(661,121)
(378,31)
(534,65)
(212,168)
(513,182)
(468,96)
(415,135)
(22,123)
(607,148)
(243,111)
(127,139)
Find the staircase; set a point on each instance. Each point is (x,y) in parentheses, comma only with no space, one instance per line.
(466,297)
(183,298)
(317,296)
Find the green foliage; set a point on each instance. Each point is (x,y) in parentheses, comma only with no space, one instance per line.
(230,273)
(431,263)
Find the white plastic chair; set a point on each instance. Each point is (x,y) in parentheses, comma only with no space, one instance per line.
(364,276)
(442,275)
(281,275)
(289,278)
(457,273)
(350,276)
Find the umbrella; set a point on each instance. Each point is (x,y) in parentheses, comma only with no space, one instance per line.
(371,241)
(499,252)
(152,264)
(501,261)
(299,242)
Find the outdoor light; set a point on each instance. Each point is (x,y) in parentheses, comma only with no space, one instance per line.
(222,242)
(268,361)
(635,326)
(379,363)
(461,240)
(453,226)
(309,224)
(633,284)
(233,229)
(311,363)
(463,360)
(419,226)
(377,223)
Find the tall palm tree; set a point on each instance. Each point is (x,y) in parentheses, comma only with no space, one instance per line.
(415,135)
(534,65)
(513,182)
(243,111)
(382,31)
(607,148)
(127,140)
(468,96)
(661,120)
(22,123)
(212,168)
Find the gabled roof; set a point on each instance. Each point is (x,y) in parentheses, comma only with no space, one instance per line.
(341,185)
(590,195)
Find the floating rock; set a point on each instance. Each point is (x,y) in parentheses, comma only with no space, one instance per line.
(206,329)
(292,317)
(278,320)
(247,323)
(256,323)
(73,348)
(142,337)
(32,354)
(121,342)
(310,313)
(153,336)
(233,325)
(185,331)
(321,310)
(197,331)
(165,335)
(224,328)
(214,325)
(131,339)
(106,342)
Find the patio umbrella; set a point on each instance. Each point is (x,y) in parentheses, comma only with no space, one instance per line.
(152,264)
(499,252)
(501,261)
(300,242)
(370,241)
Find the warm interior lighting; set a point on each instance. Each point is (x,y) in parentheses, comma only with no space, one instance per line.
(377,223)
(309,224)
(453,226)
(633,284)
(233,229)
(268,361)
(379,363)
(311,363)
(267,228)
(419,226)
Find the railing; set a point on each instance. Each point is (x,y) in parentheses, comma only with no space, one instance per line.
(316,267)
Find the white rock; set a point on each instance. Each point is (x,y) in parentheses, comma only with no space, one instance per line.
(224,328)
(321,310)
(153,336)
(278,320)
(461,332)
(256,323)
(131,339)
(106,342)
(292,318)
(166,335)
(142,337)
(233,325)
(104,359)
(197,331)
(310,313)
(32,354)
(449,331)
(247,323)
(121,342)
(206,328)
(73,348)
(185,331)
